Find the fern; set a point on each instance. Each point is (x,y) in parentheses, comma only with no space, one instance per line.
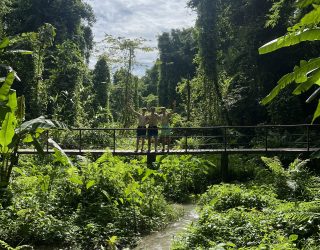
(274,164)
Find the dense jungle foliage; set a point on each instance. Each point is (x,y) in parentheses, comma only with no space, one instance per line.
(219,72)
(215,64)
(279,209)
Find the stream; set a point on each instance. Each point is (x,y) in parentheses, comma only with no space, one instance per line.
(162,240)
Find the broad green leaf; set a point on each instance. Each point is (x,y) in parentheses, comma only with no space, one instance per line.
(148,173)
(317,113)
(304,69)
(293,237)
(282,83)
(30,137)
(305,3)
(18,170)
(7,131)
(60,156)
(303,87)
(112,241)
(20,51)
(12,101)
(4,43)
(311,18)
(290,39)
(40,122)
(5,88)
(76,180)
(90,184)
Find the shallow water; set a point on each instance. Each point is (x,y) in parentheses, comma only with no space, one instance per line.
(162,240)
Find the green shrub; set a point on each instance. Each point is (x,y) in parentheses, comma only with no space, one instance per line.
(185,175)
(226,196)
(82,205)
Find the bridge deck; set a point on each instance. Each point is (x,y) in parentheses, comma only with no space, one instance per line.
(179,152)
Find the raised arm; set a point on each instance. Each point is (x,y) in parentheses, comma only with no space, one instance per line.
(173,108)
(135,112)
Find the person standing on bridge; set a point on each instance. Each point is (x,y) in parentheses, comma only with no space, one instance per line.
(165,129)
(142,129)
(153,120)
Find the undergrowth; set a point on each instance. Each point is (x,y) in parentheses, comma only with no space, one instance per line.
(101,204)
(279,209)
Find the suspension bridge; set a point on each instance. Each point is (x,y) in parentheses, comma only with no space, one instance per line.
(260,139)
(222,140)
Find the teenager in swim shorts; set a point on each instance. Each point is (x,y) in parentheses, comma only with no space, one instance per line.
(141,129)
(153,120)
(165,128)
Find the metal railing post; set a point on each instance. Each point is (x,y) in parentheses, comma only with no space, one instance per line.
(169,141)
(186,140)
(47,141)
(114,140)
(266,138)
(80,140)
(225,139)
(308,138)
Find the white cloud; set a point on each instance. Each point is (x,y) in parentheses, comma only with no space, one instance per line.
(140,18)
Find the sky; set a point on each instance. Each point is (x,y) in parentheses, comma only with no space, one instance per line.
(140,18)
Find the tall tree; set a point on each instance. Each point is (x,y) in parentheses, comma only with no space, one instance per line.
(72,21)
(101,80)
(67,84)
(122,51)
(177,51)
(208,45)
(102,86)
(71,18)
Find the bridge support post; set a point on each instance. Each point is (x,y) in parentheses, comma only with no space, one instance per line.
(151,158)
(224,167)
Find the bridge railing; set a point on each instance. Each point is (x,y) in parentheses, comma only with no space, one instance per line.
(263,137)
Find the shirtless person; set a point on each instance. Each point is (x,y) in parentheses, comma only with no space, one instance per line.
(142,129)
(165,130)
(153,119)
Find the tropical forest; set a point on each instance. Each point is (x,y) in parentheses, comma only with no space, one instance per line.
(158,125)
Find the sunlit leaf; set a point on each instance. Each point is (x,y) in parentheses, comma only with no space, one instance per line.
(7,131)
(304,69)
(22,52)
(76,180)
(293,237)
(317,112)
(5,88)
(305,3)
(4,43)
(290,39)
(90,184)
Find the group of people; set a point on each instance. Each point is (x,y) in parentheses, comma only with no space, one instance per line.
(152,120)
